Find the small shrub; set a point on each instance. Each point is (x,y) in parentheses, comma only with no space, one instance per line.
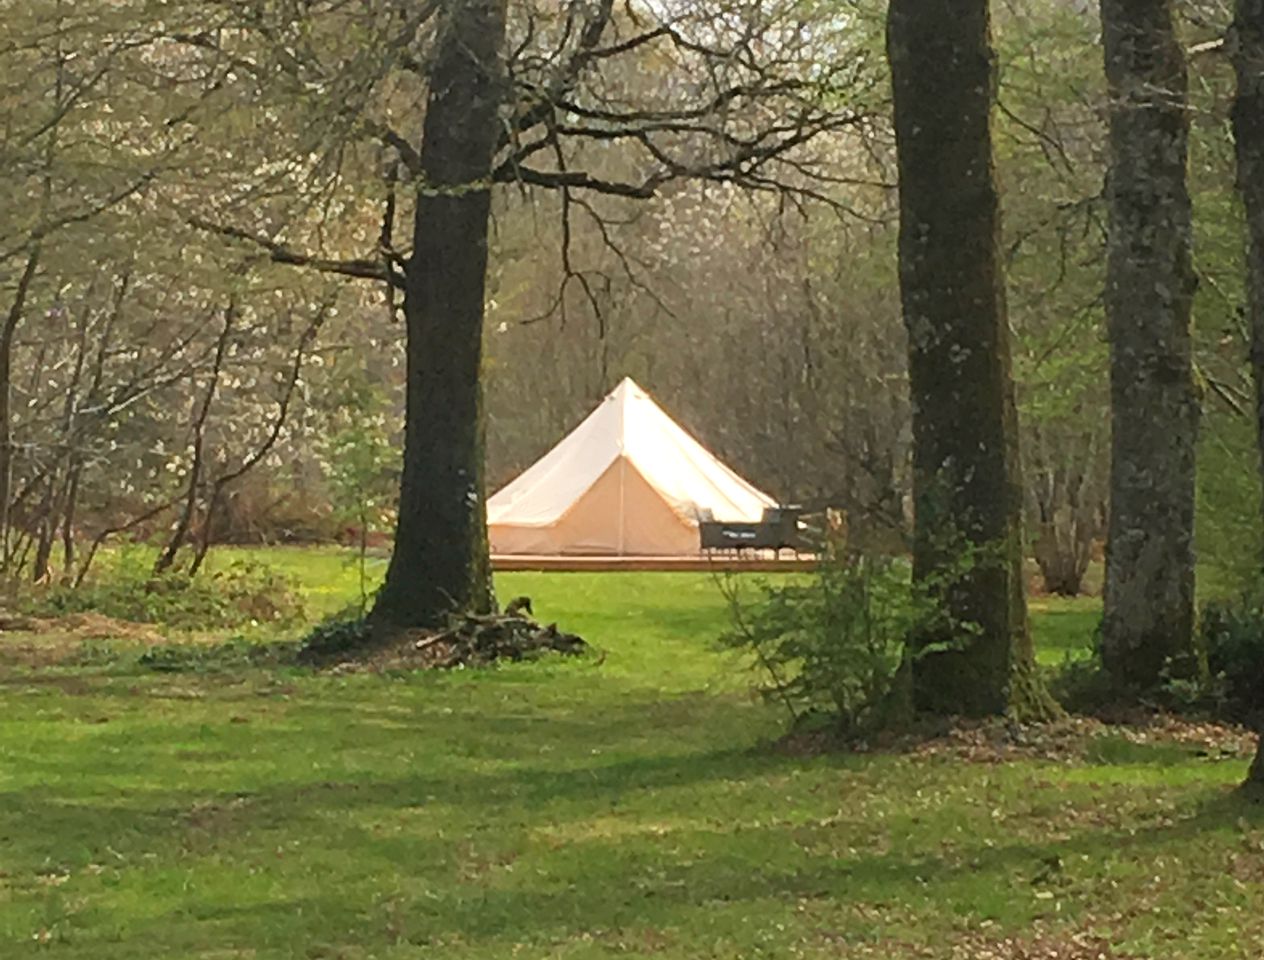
(832,646)
(259,593)
(1222,680)
(1082,685)
(124,588)
(97,653)
(1232,636)
(343,634)
(361,462)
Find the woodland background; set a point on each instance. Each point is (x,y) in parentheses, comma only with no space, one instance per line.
(177,370)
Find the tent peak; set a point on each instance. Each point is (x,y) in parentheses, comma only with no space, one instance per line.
(626,396)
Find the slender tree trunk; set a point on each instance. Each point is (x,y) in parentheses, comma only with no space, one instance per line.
(201,417)
(213,503)
(60,515)
(363,559)
(1147,629)
(45,530)
(8,333)
(440,562)
(69,516)
(965,449)
(1247,47)
(219,487)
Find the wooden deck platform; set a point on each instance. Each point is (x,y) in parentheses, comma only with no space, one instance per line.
(721,563)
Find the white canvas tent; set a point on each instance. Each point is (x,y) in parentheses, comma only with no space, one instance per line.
(628,481)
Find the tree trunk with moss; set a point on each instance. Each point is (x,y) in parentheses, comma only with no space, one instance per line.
(1247,48)
(1147,631)
(968,525)
(440,562)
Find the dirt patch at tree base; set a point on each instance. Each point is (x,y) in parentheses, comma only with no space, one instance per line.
(1067,740)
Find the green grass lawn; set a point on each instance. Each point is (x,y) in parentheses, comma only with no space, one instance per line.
(598,604)
(631,807)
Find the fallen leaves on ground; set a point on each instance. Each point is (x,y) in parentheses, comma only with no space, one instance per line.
(1068,740)
(1046,946)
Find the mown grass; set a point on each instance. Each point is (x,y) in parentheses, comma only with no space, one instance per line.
(1063,628)
(629,807)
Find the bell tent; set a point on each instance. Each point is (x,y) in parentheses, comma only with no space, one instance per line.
(628,481)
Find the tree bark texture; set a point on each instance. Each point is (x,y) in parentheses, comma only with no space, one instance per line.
(1248,132)
(967,490)
(440,562)
(1247,48)
(1147,629)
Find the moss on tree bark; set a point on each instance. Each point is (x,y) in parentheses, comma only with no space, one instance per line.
(440,562)
(965,457)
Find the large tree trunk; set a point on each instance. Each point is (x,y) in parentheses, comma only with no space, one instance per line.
(1147,630)
(1248,132)
(440,563)
(965,451)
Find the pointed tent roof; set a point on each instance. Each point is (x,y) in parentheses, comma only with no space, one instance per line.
(628,424)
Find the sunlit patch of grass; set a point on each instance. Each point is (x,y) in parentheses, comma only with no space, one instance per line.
(1064,627)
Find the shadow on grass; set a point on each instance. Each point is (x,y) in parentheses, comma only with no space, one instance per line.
(609,884)
(453,813)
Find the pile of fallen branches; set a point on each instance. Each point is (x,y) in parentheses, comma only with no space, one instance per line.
(468,640)
(476,640)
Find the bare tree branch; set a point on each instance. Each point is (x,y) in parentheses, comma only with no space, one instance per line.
(280,253)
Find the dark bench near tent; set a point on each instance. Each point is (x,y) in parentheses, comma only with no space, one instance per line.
(778,529)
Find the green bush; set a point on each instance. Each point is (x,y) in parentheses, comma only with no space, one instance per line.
(342,634)
(832,645)
(124,587)
(1232,635)
(1082,685)
(1225,682)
